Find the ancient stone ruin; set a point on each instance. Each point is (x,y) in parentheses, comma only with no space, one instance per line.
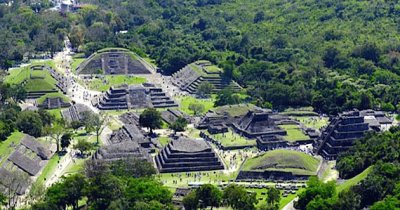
(28,158)
(54,103)
(75,113)
(182,155)
(171,115)
(257,123)
(134,97)
(191,76)
(347,127)
(113,61)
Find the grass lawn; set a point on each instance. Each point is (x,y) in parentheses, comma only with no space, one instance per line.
(114,80)
(75,167)
(76,62)
(52,95)
(56,113)
(5,146)
(232,139)
(313,122)
(164,140)
(353,181)
(185,101)
(17,76)
(294,133)
(49,169)
(235,110)
(212,177)
(38,73)
(283,160)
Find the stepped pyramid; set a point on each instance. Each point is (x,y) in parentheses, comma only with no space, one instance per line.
(191,76)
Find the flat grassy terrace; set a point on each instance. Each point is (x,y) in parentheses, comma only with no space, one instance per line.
(6,147)
(283,160)
(231,139)
(42,80)
(294,133)
(114,80)
(49,169)
(185,101)
(235,110)
(313,122)
(52,95)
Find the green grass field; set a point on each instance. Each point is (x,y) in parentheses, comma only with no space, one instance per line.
(164,140)
(353,181)
(283,160)
(114,80)
(185,101)
(76,62)
(5,146)
(232,139)
(313,122)
(49,169)
(52,95)
(294,133)
(235,110)
(56,113)
(17,76)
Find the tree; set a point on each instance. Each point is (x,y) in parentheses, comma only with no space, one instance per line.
(46,117)
(74,186)
(196,108)
(30,122)
(83,146)
(94,122)
(132,167)
(205,89)
(209,195)
(37,191)
(56,131)
(274,196)
(227,96)
(179,125)
(190,201)
(3,200)
(151,119)
(144,189)
(238,198)
(102,190)
(315,190)
(66,140)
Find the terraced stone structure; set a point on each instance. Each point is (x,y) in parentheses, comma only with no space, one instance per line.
(62,81)
(171,115)
(113,61)
(34,94)
(54,103)
(183,155)
(257,123)
(191,76)
(346,128)
(29,156)
(134,97)
(75,112)
(122,150)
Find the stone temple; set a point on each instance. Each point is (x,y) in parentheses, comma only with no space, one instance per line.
(134,97)
(113,61)
(257,123)
(346,128)
(182,155)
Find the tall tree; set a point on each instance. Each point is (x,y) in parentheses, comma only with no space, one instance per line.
(209,195)
(238,198)
(95,122)
(196,108)
(179,125)
(30,122)
(151,119)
